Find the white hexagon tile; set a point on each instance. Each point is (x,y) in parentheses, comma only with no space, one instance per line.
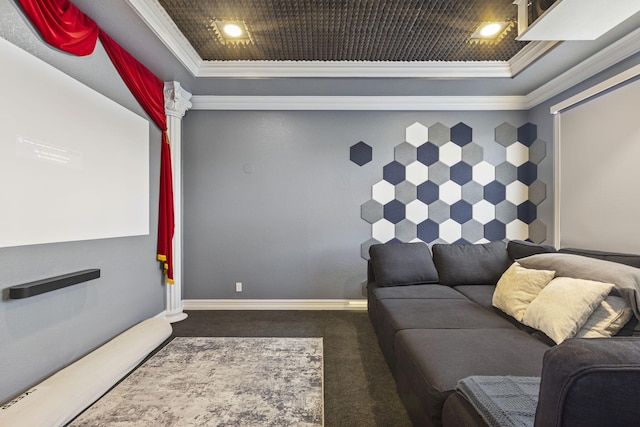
(442,188)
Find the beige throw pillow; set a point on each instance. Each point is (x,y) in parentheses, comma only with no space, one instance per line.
(562,308)
(517,287)
(610,316)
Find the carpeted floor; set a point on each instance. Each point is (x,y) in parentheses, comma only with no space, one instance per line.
(358,387)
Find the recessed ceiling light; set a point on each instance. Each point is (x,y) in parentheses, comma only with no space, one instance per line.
(231,32)
(491,32)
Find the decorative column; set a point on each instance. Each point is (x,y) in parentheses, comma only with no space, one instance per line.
(176,104)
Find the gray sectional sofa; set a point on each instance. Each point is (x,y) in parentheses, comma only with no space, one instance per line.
(437,328)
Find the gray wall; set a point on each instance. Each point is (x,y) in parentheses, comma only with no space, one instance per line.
(41,334)
(292,227)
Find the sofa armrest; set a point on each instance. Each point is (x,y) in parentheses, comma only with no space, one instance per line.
(590,382)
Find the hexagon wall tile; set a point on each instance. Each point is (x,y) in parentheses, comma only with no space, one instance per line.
(444,187)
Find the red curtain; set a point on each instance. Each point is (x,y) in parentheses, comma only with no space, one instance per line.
(66,27)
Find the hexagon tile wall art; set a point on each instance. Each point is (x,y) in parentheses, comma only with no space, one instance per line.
(440,188)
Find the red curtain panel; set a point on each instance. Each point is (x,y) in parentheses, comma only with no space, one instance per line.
(66,27)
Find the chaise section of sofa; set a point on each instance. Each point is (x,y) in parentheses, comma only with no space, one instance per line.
(436,324)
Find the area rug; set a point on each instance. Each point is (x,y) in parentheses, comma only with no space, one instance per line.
(219,382)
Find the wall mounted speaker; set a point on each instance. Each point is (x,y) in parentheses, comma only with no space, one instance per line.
(540,6)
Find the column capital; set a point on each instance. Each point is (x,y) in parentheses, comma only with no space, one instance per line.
(176,99)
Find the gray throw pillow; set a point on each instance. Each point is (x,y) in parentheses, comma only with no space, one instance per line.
(402,264)
(626,279)
(471,264)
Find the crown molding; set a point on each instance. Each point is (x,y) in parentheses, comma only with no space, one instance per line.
(530,54)
(157,19)
(347,69)
(612,54)
(359,103)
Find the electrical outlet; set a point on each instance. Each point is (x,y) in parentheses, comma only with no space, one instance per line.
(238,286)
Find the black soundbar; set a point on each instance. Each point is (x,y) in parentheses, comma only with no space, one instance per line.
(51,284)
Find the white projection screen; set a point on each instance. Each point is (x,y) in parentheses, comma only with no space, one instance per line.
(74,165)
(599,172)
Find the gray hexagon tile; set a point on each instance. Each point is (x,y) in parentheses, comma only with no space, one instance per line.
(443,187)
(472,192)
(537,151)
(406,192)
(372,211)
(472,154)
(406,230)
(439,134)
(506,134)
(405,153)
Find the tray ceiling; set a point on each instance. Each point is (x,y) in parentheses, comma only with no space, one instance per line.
(347,30)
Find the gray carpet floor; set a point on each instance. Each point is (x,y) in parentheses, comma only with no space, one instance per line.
(358,387)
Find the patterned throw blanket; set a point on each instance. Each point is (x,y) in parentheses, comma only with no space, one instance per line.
(503,401)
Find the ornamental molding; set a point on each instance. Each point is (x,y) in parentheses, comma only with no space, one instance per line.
(176,99)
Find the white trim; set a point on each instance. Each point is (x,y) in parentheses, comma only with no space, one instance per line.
(597,89)
(530,54)
(157,19)
(612,54)
(274,304)
(556,180)
(349,69)
(360,103)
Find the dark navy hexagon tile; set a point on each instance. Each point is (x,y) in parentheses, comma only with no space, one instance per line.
(360,153)
(527,173)
(461,212)
(428,154)
(527,134)
(527,212)
(461,134)
(461,173)
(428,192)
(394,211)
(494,192)
(495,230)
(393,172)
(428,231)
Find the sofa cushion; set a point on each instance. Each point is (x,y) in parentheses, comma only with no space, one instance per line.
(470,264)
(432,361)
(626,279)
(519,249)
(402,264)
(398,314)
(417,292)
(480,294)
(592,382)
(608,319)
(517,287)
(562,308)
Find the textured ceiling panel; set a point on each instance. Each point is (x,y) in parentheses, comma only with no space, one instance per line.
(347,30)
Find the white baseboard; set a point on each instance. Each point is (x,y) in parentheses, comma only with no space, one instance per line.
(274,304)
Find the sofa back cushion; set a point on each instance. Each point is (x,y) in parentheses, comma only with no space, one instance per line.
(471,264)
(396,264)
(519,249)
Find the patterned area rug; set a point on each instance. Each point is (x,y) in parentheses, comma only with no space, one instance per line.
(219,382)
